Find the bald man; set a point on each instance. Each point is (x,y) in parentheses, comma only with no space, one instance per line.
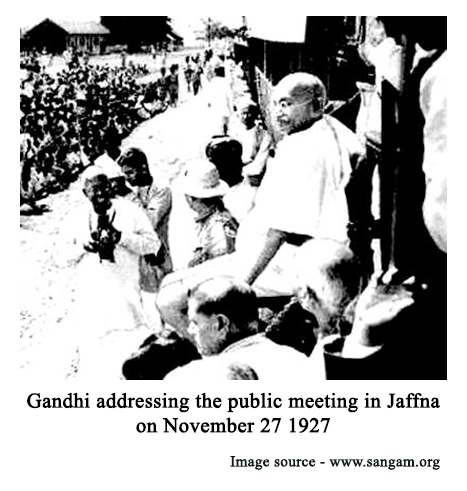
(329,279)
(302,195)
(223,317)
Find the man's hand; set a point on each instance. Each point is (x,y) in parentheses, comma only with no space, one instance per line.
(377,308)
(270,244)
(110,236)
(91,246)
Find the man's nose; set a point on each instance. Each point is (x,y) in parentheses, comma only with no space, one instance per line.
(191,328)
(277,110)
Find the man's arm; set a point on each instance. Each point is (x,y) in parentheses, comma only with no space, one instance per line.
(269,246)
(433,102)
(159,206)
(140,238)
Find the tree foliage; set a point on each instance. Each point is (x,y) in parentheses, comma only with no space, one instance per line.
(215,29)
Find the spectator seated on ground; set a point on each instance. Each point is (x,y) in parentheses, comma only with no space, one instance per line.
(78,104)
(329,280)
(223,317)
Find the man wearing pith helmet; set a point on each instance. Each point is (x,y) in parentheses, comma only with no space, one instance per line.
(215,227)
(302,195)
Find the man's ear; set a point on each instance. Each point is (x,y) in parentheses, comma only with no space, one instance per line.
(222,322)
(307,298)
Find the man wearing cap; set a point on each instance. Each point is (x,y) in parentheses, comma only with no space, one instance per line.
(302,195)
(112,234)
(215,227)
(107,162)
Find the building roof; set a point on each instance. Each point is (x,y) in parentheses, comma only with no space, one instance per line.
(75,27)
(174,36)
(82,27)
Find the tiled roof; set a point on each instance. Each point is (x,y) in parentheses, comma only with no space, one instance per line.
(72,27)
(82,27)
(174,35)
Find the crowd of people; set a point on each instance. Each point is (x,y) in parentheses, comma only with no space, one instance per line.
(65,120)
(270,285)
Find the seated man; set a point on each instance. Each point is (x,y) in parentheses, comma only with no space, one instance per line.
(302,195)
(384,343)
(372,335)
(329,280)
(27,170)
(223,318)
(301,198)
(399,330)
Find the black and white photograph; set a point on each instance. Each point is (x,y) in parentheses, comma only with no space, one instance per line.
(233,198)
(207,197)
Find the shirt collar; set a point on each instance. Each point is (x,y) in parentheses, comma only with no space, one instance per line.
(203,217)
(245,342)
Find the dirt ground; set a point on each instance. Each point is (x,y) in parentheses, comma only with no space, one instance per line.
(48,289)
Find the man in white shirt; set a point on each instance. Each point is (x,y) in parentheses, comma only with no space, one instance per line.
(433,103)
(302,195)
(111,235)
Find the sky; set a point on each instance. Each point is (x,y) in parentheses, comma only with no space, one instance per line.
(185,25)
(31,18)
